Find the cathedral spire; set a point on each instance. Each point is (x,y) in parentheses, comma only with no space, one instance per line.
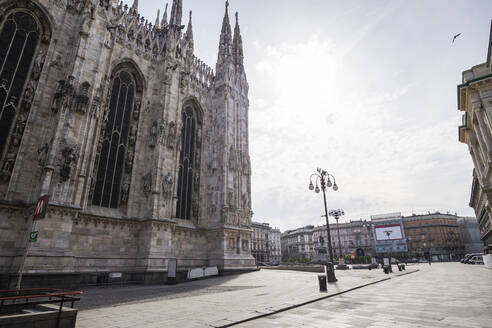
(225,45)
(164,17)
(135,6)
(189,34)
(176,13)
(226,25)
(189,30)
(237,44)
(157,19)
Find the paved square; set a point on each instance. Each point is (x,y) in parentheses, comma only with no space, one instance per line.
(442,295)
(213,302)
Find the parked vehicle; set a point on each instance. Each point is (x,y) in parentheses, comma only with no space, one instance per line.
(466,257)
(467,260)
(477,259)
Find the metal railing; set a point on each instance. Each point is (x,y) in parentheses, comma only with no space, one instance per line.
(13,301)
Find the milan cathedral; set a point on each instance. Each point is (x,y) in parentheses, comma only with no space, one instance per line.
(141,147)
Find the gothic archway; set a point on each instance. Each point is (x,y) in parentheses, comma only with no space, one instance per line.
(24,37)
(189,163)
(116,147)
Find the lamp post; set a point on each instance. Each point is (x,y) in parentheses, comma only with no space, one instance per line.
(337,214)
(323,178)
(388,233)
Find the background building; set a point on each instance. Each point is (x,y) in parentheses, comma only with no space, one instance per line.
(436,235)
(275,246)
(389,234)
(298,244)
(354,235)
(266,245)
(142,147)
(261,242)
(470,235)
(475,101)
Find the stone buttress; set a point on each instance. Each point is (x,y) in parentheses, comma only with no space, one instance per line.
(142,147)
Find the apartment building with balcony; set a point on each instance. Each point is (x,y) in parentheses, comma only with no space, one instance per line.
(348,238)
(298,243)
(434,235)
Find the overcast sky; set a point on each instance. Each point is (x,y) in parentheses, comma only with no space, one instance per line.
(364,89)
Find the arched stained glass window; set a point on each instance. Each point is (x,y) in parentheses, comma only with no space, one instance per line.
(187,169)
(114,143)
(18,40)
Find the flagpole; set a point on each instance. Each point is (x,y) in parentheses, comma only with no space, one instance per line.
(39,213)
(26,251)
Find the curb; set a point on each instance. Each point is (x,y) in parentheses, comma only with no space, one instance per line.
(312,301)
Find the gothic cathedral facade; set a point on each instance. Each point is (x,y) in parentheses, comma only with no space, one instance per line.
(142,148)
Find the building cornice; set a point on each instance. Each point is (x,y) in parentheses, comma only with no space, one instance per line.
(468,84)
(489,53)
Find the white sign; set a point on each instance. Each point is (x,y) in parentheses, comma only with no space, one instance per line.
(171,268)
(114,275)
(388,232)
(386,216)
(195,273)
(211,271)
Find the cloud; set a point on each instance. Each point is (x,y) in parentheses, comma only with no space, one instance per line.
(365,90)
(383,157)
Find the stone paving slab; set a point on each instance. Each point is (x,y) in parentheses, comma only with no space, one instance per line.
(214,302)
(451,295)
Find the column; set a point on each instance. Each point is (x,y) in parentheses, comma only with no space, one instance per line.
(479,169)
(478,128)
(484,129)
(477,149)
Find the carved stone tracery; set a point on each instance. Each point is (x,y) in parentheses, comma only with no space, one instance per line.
(167,185)
(147,184)
(69,156)
(22,105)
(171,137)
(132,134)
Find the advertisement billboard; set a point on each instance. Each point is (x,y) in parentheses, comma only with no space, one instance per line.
(388,232)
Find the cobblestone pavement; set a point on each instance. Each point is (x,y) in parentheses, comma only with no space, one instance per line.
(211,303)
(442,295)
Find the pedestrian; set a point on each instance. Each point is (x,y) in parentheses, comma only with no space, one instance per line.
(430,261)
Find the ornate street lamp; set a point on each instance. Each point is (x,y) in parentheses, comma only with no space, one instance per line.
(337,214)
(323,178)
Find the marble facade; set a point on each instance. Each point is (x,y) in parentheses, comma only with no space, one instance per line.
(57,141)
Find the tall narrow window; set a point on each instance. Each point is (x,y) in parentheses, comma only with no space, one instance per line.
(114,143)
(187,169)
(18,40)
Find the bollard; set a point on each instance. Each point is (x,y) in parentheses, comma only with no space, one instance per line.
(322,283)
